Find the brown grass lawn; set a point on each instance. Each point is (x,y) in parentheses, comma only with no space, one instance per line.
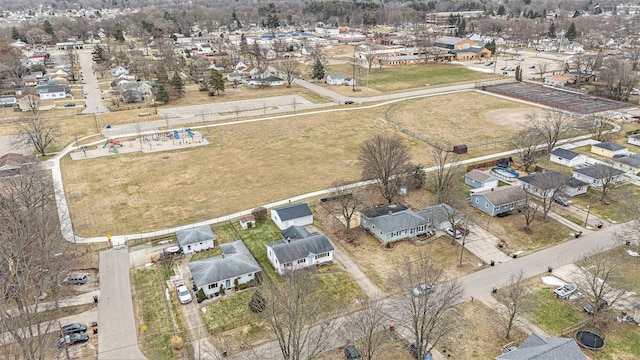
(392,349)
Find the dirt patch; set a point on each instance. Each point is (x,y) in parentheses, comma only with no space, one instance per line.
(511,118)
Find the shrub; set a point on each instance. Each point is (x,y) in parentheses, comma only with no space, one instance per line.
(176,342)
(246,285)
(258,302)
(235,284)
(222,290)
(259,213)
(200,296)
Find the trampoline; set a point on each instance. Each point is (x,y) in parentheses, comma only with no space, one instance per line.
(505,173)
(590,340)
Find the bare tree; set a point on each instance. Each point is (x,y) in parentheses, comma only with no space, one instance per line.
(526,142)
(608,178)
(545,186)
(72,58)
(542,68)
(349,200)
(385,159)
(598,278)
(529,211)
(446,167)
(513,297)
(297,311)
(426,304)
(365,327)
(30,238)
(289,67)
(369,55)
(35,130)
(599,126)
(551,127)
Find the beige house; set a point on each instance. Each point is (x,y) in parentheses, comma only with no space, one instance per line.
(608,149)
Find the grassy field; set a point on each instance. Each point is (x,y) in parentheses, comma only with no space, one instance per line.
(256,238)
(554,315)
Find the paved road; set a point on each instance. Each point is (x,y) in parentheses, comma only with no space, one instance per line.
(117,323)
(94,96)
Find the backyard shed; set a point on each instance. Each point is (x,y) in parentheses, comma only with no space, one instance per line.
(297,214)
(460,149)
(247,222)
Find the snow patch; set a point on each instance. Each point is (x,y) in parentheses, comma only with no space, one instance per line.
(552,280)
(632,253)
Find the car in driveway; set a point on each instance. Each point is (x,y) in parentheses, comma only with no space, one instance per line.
(590,307)
(414,352)
(422,289)
(561,201)
(532,67)
(73,328)
(351,353)
(86,93)
(75,279)
(457,235)
(183,293)
(72,339)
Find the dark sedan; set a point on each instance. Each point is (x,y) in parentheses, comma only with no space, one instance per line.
(72,339)
(73,328)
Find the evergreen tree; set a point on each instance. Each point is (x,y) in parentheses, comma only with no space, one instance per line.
(572,33)
(98,54)
(244,46)
(491,46)
(118,35)
(501,11)
(177,85)
(15,34)
(162,95)
(369,18)
(552,30)
(235,20)
(216,82)
(318,70)
(48,28)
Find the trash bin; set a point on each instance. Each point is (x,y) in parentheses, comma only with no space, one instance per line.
(494,290)
(95,299)
(515,255)
(550,269)
(224,352)
(493,262)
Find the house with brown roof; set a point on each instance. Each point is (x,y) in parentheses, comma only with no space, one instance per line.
(12,164)
(499,200)
(560,80)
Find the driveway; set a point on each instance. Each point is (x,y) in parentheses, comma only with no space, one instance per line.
(117,323)
(484,245)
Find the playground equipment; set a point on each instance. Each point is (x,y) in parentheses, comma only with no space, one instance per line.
(176,135)
(112,145)
(189,132)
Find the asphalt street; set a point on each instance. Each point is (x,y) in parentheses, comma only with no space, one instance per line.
(93,100)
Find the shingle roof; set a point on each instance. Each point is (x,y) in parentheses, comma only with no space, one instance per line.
(13,161)
(237,261)
(295,232)
(438,214)
(384,210)
(479,176)
(195,235)
(538,347)
(599,171)
(449,40)
(545,180)
(293,211)
(50,89)
(609,146)
(288,251)
(503,195)
(564,153)
(631,160)
(574,183)
(402,220)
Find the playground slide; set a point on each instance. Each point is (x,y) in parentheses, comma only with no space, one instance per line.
(189,132)
(115,150)
(176,134)
(105,144)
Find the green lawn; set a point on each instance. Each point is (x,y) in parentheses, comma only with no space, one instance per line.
(622,200)
(231,312)
(622,343)
(255,240)
(341,290)
(553,315)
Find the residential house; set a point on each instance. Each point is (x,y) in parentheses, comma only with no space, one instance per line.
(499,200)
(393,222)
(7,101)
(273,81)
(196,239)
(350,82)
(608,149)
(233,76)
(119,70)
(239,66)
(29,80)
(599,174)
(560,80)
(132,96)
(296,214)
(440,216)
(12,164)
(335,79)
(236,266)
(51,92)
(629,163)
(575,187)
(574,48)
(634,139)
(479,179)
(567,157)
(542,184)
(299,249)
(538,347)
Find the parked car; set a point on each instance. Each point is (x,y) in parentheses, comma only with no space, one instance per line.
(73,328)
(75,279)
(71,339)
(488,63)
(532,67)
(414,351)
(463,229)
(457,235)
(422,289)
(351,353)
(83,82)
(86,93)
(561,201)
(590,307)
(183,293)
(348,102)
(70,104)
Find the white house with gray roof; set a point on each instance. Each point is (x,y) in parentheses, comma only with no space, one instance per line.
(538,347)
(290,215)
(222,271)
(634,139)
(299,249)
(599,174)
(567,157)
(499,200)
(480,179)
(440,216)
(393,222)
(196,239)
(334,79)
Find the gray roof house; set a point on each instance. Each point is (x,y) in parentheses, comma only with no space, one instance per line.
(575,187)
(335,79)
(480,179)
(132,96)
(235,263)
(299,249)
(538,347)
(608,149)
(599,174)
(542,184)
(439,214)
(566,157)
(196,239)
(499,200)
(296,214)
(393,222)
(629,163)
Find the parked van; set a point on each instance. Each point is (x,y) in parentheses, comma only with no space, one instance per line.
(75,279)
